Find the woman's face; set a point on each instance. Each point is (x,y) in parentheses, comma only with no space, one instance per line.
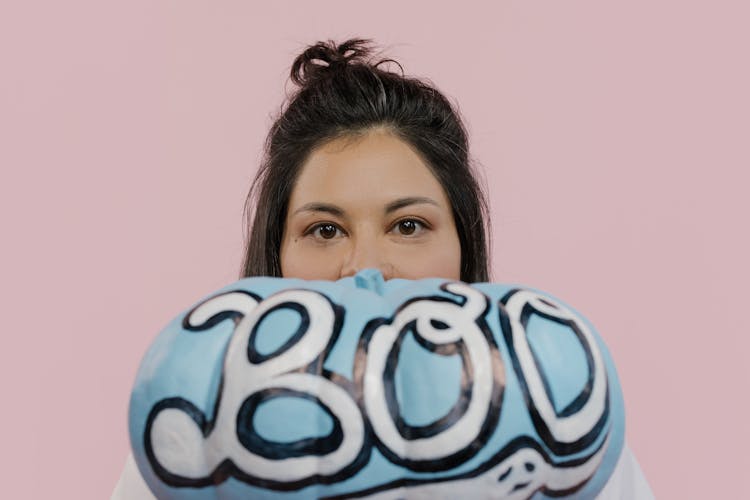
(368,202)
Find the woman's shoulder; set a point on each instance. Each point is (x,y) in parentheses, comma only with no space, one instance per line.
(131,485)
(627,480)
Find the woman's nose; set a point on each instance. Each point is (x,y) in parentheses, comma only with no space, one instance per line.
(365,253)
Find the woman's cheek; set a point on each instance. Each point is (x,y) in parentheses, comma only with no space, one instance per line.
(300,260)
(439,260)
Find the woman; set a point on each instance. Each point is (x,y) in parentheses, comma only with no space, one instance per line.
(364,140)
(366,168)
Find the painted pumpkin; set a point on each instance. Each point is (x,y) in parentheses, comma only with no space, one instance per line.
(361,388)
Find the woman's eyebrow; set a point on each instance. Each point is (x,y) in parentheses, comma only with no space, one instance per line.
(321,207)
(411,200)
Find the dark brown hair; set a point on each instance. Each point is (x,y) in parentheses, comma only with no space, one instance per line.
(342,92)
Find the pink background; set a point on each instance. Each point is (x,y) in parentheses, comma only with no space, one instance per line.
(614,139)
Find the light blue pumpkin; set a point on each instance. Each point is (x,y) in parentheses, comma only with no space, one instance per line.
(361,388)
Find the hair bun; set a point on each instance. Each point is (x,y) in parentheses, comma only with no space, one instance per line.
(327,57)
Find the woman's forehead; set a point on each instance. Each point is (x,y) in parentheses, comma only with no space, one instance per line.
(377,168)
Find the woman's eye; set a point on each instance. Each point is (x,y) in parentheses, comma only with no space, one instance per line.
(409,227)
(325,231)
